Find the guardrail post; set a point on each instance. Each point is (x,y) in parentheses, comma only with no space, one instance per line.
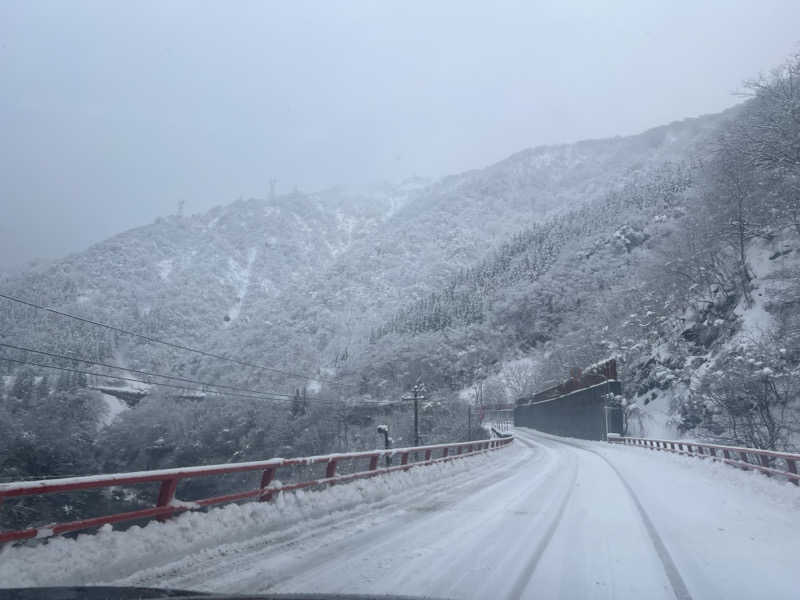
(713,451)
(330,470)
(373,462)
(791,465)
(404,458)
(764,460)
(743,456)
(726,454)
(266,479)
(166,493)
(428,454)
(460,448)
(445,452)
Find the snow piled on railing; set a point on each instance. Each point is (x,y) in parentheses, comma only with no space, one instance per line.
(109,555)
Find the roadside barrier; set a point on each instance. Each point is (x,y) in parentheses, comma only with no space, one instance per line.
(783,464)
(168,505)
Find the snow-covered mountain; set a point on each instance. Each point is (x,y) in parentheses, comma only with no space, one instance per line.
(301,279)
(674,250)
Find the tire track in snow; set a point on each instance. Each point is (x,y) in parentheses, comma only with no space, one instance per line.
(679,586)
(195,571)
(457,541)
(530,567)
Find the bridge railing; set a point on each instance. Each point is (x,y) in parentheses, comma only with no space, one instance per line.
(783,464)
(168,505)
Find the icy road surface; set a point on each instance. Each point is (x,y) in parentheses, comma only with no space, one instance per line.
(546,519)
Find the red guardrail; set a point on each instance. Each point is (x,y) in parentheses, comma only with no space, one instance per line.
(167,505)
(783,464)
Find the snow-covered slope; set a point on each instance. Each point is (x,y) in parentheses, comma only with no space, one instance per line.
(301,279)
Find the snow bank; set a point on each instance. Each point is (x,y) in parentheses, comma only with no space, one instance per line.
(110,555)
(732,533)
(723,478)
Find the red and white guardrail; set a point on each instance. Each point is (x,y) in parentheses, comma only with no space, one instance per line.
(783,464)
(168,505)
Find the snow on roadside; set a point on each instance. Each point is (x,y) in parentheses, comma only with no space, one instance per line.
(110,555)
(724,478)
(732,533)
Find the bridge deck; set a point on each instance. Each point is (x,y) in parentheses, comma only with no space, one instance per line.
(548,518)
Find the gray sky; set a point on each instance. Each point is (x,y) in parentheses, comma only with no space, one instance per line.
(113,112)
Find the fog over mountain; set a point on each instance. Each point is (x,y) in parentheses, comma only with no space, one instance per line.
(112,115)
(301,279)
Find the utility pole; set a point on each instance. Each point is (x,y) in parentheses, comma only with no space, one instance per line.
(469,422)
(418,393)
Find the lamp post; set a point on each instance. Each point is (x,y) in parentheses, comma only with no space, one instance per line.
(387,441)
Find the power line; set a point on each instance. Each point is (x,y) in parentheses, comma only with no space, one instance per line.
(171,344)
(330,403)
(140,372)
(282,398)
(119,377)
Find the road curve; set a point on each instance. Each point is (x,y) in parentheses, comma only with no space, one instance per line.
(557,521)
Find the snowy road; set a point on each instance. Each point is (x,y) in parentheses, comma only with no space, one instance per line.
(546,518)
(558,520)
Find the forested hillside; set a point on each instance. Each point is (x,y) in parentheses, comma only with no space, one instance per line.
(677,251)
(687,274)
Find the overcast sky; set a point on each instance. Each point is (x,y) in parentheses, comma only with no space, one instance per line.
(113,112)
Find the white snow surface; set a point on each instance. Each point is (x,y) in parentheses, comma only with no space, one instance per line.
(546,518)
(115,407)
(240,278)
(164,268)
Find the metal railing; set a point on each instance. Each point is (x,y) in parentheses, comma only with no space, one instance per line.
(783,464)
(168,505)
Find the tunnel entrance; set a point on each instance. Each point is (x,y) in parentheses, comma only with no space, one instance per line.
(585,406)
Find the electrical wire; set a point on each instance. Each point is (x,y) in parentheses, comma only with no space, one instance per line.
(171,344)
(119,377)
(279,397)
(331,403)
(140,372)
